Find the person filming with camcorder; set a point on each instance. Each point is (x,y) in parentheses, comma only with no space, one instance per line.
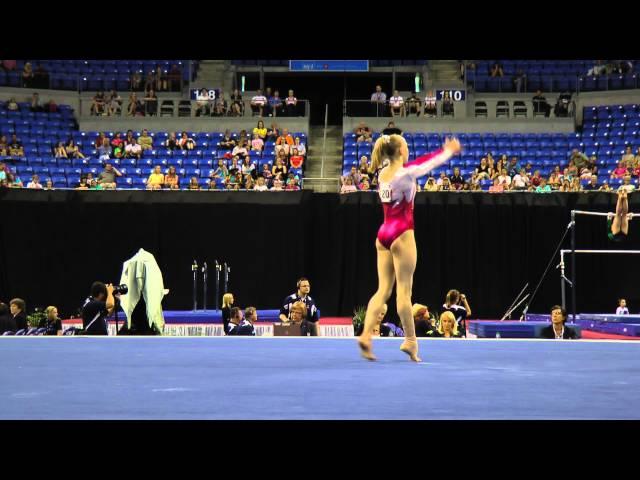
(100,303)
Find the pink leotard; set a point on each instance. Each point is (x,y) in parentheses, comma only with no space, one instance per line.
(397,195)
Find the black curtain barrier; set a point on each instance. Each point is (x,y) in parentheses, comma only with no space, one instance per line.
(54,244)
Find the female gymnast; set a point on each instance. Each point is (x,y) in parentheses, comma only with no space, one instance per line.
(618,224)
(396,244)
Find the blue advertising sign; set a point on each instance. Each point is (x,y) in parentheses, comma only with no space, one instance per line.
(328,65)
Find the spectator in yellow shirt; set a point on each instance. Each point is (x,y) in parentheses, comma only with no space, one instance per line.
(156,179)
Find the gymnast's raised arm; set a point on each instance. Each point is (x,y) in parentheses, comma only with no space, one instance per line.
(424,164)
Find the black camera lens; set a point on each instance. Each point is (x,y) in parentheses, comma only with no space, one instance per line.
(120,289)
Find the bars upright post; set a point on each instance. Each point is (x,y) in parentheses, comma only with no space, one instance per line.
(573,263)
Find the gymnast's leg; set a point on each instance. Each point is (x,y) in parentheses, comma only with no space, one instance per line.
(620,221)
(386,279)
(405,255)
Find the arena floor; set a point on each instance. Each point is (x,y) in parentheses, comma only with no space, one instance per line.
(315,378)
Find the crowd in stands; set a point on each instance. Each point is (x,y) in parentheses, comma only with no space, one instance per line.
(398,106)
(261,159)
(501,173)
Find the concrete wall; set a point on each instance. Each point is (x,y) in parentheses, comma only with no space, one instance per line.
(61,97)
(446,125)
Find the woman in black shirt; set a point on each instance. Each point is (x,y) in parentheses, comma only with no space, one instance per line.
(237,107)
(227,305)
(54,325)
(227,142)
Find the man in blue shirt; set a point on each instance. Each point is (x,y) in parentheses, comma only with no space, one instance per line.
(310,323)
(275,104)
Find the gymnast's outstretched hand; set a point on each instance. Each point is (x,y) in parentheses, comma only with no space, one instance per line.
(452,145)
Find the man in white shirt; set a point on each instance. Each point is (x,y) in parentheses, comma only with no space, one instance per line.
(35,182)
(520,180)
(397,104)
(258,103)
(627,185)
(378,101)
(430,106)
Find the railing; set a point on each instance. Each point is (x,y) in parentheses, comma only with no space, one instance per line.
(367,108)
(576,84)
(189,108)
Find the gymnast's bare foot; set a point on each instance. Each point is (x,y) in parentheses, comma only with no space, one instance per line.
(410,347)
(364,342)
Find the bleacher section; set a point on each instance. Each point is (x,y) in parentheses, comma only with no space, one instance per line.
(608,130)
(94,75)
(39,132)
(549,76)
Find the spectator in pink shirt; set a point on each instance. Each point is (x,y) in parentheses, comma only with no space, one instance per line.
(497,187)
(257,144)
(619,172)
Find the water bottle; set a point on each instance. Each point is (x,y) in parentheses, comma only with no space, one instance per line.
(497,334)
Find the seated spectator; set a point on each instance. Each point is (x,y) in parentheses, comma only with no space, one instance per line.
(497,187)
(260,131)
(520,181)
(3,171)
(240,150)
(248,182)
(496,70)
(51,107)
(13,180)
(83,184)
(247,326)
(129,137)
(257,144)
(134,108)
(27,75)
(561,109)
(275,104)
(104,150)
(248,168)
(7,323)
(150,80)
(9,65)
(234,178)
(592,185)
(278,183)
(227,142)
(302,150)
(565,187)
(145,141)
(392,129)
(48,184)
(292,185)
(279,168)
(114,103)
(362,129)
(519,80)
(273,132)
(430,105)
(186,142)
(365,137)
(203,103)
(483,172)
(18,309)
(622,307)
(15,147)
(413,104)
(354,175)
(504,178)
(54,324)
(220,171)
(136,81)
(396,103)
(457,182)
(35,103)
(4,145)
(448,327)
(536,179)
(364,168)
(284,142)
(258,103)
(348,186)
(446,185)
(431,185)
(628,158)
(133,149)
(296,160)
(60,152)
(35,183)
(107,178)
(514,167)
(72,150)
(378,102)
(235,320)
(571,171)
(193,184)
(425,323)
(543,187)
(579,159)
(364,184)
(558,330)
(89,177)
(291,104)
(447,104)
(620,171)
(626,184)
(98,104)
(151,103)
(237,105)
(12,105)
(540,104)
(236,164)
(261,185)
(156,179)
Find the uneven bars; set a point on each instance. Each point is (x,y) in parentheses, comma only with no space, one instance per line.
(598,214)
(601,251)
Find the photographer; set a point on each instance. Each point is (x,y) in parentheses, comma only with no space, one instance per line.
(97,307)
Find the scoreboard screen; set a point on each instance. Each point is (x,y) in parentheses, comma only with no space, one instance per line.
(455,95)
(212,92)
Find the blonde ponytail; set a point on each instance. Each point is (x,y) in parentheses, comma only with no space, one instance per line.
(387,147)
